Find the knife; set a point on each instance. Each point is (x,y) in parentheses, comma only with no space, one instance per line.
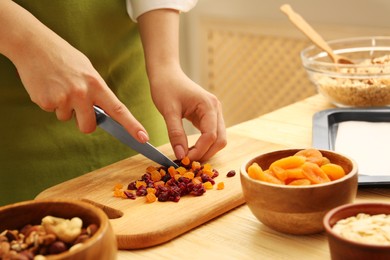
(112,127)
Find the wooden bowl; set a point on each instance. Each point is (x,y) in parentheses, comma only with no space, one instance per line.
(297,210)
(102,245)
(341,248)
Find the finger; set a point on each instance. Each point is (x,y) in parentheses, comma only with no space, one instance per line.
(120,113)
(177,135)
(64,114)
(85,118)
(220,141)
(212,140)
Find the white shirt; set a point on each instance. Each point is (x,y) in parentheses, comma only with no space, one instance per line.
(137,7)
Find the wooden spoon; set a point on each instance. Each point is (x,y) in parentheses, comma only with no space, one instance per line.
(302,25)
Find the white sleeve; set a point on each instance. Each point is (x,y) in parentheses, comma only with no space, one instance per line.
(137,7)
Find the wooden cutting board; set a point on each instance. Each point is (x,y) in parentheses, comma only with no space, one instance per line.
(138,224)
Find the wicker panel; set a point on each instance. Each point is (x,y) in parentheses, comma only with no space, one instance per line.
(253,73)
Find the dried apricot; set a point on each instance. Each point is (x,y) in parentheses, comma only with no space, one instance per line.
(208,185)
(118,186)
(295,173)
(186,161)
(155,175)
(150,197)
(279,172)
(334,171)
(289,162)
(256,172)
(189,175)
(305,167)
(220,185)
(172,171)
(312,155)
(314,173)
(300,182)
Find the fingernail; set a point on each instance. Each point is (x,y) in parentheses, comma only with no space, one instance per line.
(179,152)
(142,136)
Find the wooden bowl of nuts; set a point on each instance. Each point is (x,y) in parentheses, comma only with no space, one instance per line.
(55,229)
(359,231)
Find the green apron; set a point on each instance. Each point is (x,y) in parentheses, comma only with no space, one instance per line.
(38,151)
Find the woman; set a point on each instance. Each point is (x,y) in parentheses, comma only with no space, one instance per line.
(65,57)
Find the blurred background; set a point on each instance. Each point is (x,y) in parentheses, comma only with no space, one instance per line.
(247,52)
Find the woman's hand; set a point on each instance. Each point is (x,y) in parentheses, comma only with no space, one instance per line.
(175,95)
(58,77)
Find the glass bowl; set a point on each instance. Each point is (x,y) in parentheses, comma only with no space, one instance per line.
(366,83)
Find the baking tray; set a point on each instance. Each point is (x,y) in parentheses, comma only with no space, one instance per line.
(325,126)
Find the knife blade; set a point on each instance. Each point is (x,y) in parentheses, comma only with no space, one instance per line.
(112,127)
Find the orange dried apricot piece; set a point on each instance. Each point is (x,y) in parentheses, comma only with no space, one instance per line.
(150,169)
(162,172)
(207,185)
(118,193)
(312,155)
(172,171)
(139,184)
(279,172)
(189,175)
(289,162)
(314,173)
(295,173)
(334,171)
(118,186)
(181,170)
(220,185)
(186,161)
(197,180)
(271,178)
(195,165)
(151,190)
(155,175)
(150,197)
(300,182)
(256,172)
(158,183)
(207,167)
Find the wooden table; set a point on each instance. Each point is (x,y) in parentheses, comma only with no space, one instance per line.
(238,234)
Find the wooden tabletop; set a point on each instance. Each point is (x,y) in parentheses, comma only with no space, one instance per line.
(238,234)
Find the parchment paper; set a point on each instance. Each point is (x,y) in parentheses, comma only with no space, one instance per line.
(368,143)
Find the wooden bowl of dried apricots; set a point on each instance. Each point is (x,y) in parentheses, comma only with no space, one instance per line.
(291,190)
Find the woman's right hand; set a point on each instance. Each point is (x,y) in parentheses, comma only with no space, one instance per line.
(58,77)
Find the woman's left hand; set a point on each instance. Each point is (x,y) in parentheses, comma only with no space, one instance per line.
(178,97)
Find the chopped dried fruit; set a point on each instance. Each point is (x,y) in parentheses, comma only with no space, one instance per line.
(170,184)
(151,197)
(118,186)
(231,173)
(155,175)
(186,161)
(208,185)
(220,185)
